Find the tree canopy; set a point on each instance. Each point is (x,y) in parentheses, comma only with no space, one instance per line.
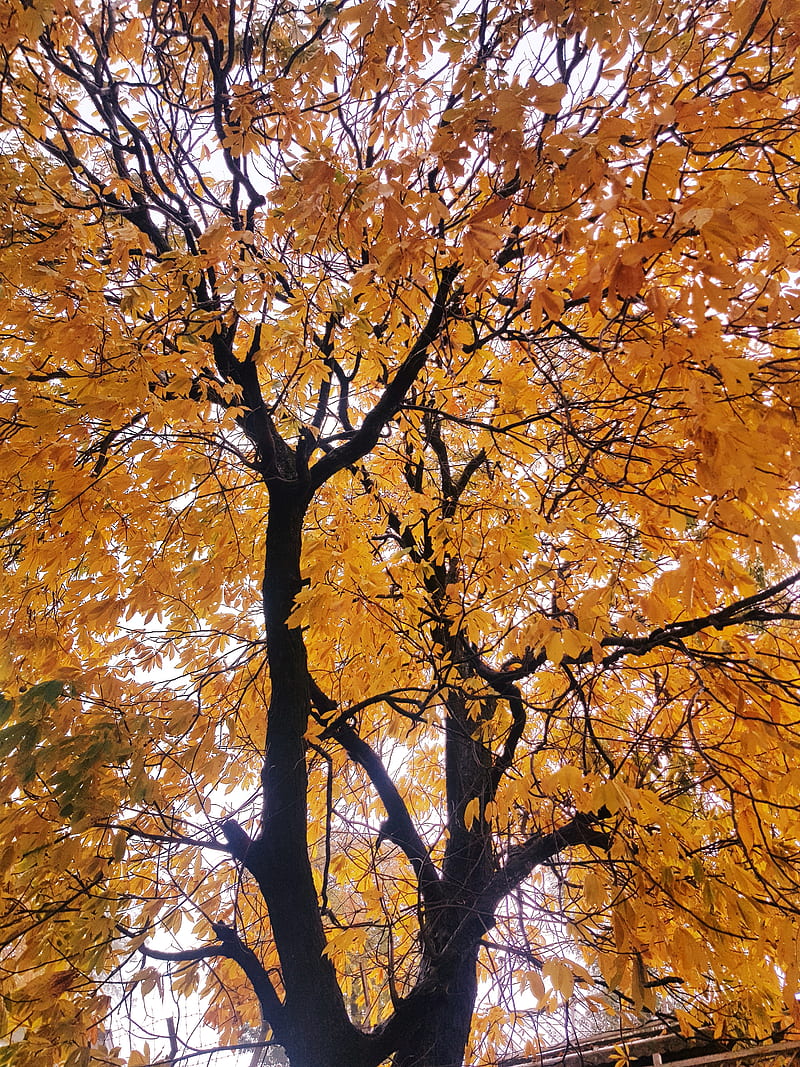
(399,516)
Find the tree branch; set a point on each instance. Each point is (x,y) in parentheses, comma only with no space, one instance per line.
(736,614)
(398,826)
(742,611)
(232,948)
(367,435)
(539,848)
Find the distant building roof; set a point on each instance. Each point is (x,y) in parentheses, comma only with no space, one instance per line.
(644,1048)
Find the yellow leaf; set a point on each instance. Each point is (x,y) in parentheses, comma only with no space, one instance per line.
(472,812)
(547,97)
(560,977)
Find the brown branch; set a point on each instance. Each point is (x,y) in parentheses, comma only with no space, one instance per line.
(743,611)
(367,435)
(502,762)
(390,697)
(232,948)
(398,826)
(539,848)
(170,839)
(747,610)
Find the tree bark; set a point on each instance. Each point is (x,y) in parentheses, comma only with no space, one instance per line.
(316,1029)
(439,1033)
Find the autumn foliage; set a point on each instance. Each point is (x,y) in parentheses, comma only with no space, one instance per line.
(399,503)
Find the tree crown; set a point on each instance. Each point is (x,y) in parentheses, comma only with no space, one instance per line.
(399,519)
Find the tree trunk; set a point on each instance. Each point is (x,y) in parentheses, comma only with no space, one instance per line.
(316,1030)
(438,1037)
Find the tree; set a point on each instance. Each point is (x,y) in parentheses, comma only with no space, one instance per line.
(400,517)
